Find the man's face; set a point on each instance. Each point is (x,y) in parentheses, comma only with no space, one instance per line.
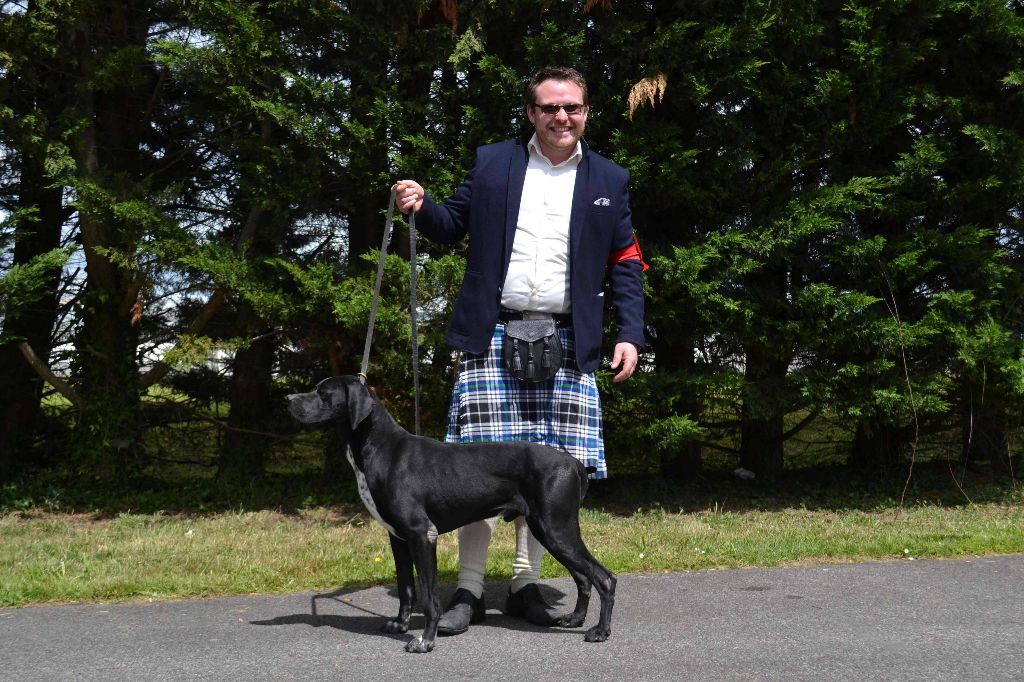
(559,132)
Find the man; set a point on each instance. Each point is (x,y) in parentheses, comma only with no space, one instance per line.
(547,218)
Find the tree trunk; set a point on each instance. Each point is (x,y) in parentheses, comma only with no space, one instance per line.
(369,168)
(878,448)
(46,99)
(365,226)
(676,359)
(246,443)
(984,426)
(765,392)
(20,387)
(244,450)
(109,162)
(763,412)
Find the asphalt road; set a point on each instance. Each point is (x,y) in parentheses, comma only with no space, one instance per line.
(905,620)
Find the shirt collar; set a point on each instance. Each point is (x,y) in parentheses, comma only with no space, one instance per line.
(574,159)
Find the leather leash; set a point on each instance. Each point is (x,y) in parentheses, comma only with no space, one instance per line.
(388,226)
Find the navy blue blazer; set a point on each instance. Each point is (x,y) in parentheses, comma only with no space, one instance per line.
(486,207)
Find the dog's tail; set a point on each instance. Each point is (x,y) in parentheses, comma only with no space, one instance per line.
(585,479)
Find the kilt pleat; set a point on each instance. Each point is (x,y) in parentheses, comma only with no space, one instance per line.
(563,412)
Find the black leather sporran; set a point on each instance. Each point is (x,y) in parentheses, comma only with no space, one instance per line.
(532,350)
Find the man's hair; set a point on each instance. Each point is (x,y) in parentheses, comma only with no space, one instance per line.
(556,73)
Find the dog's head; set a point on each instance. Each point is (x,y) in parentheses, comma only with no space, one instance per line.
(345,398)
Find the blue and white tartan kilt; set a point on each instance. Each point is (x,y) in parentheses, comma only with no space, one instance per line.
(564,412)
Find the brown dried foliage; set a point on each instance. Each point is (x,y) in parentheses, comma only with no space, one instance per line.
(450,11)
(647,89)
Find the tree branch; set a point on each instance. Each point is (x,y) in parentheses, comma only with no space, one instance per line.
(801,425)
(49,377)
(161,368)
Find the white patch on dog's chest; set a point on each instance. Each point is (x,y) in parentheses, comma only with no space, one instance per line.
(364,493)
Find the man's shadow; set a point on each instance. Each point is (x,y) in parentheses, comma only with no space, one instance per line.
(360,620)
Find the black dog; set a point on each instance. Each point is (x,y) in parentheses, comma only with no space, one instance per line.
(419,488)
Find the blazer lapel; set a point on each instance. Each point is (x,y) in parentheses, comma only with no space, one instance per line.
(580,197)
(516,178)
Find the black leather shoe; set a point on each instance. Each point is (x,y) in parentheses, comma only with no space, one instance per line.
(462,611)
(529,604)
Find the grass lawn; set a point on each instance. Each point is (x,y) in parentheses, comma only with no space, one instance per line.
(59,555)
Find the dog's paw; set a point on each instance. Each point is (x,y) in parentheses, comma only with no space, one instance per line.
(419,646)
(569,620)
(395,626)
(597,634)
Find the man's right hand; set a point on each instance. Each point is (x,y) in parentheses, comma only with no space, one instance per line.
(408,196)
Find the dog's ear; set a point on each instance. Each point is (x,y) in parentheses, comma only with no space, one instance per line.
(360,404)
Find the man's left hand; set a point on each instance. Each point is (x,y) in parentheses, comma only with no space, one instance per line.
(627,356)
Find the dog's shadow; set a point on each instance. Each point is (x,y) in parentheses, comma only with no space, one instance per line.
(369,622)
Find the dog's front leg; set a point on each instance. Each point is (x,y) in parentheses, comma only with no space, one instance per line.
(406,591)
(424,556)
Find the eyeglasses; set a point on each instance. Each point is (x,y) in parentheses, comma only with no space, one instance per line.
(552,109)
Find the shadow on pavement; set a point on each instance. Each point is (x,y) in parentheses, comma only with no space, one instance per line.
(354,620)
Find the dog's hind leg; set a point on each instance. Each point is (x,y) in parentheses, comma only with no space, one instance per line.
(423,547)
(604,583)
(555,544)
(406,590)
(565,544)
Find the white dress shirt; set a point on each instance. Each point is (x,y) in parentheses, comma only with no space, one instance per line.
(538,272)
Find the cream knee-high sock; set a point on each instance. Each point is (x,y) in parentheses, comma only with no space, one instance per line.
(473,542)
(526,566)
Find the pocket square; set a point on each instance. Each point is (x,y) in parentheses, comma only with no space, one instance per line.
(603,201)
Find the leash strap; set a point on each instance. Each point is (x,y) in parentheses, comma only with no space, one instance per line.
(412,319)
(388,226)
